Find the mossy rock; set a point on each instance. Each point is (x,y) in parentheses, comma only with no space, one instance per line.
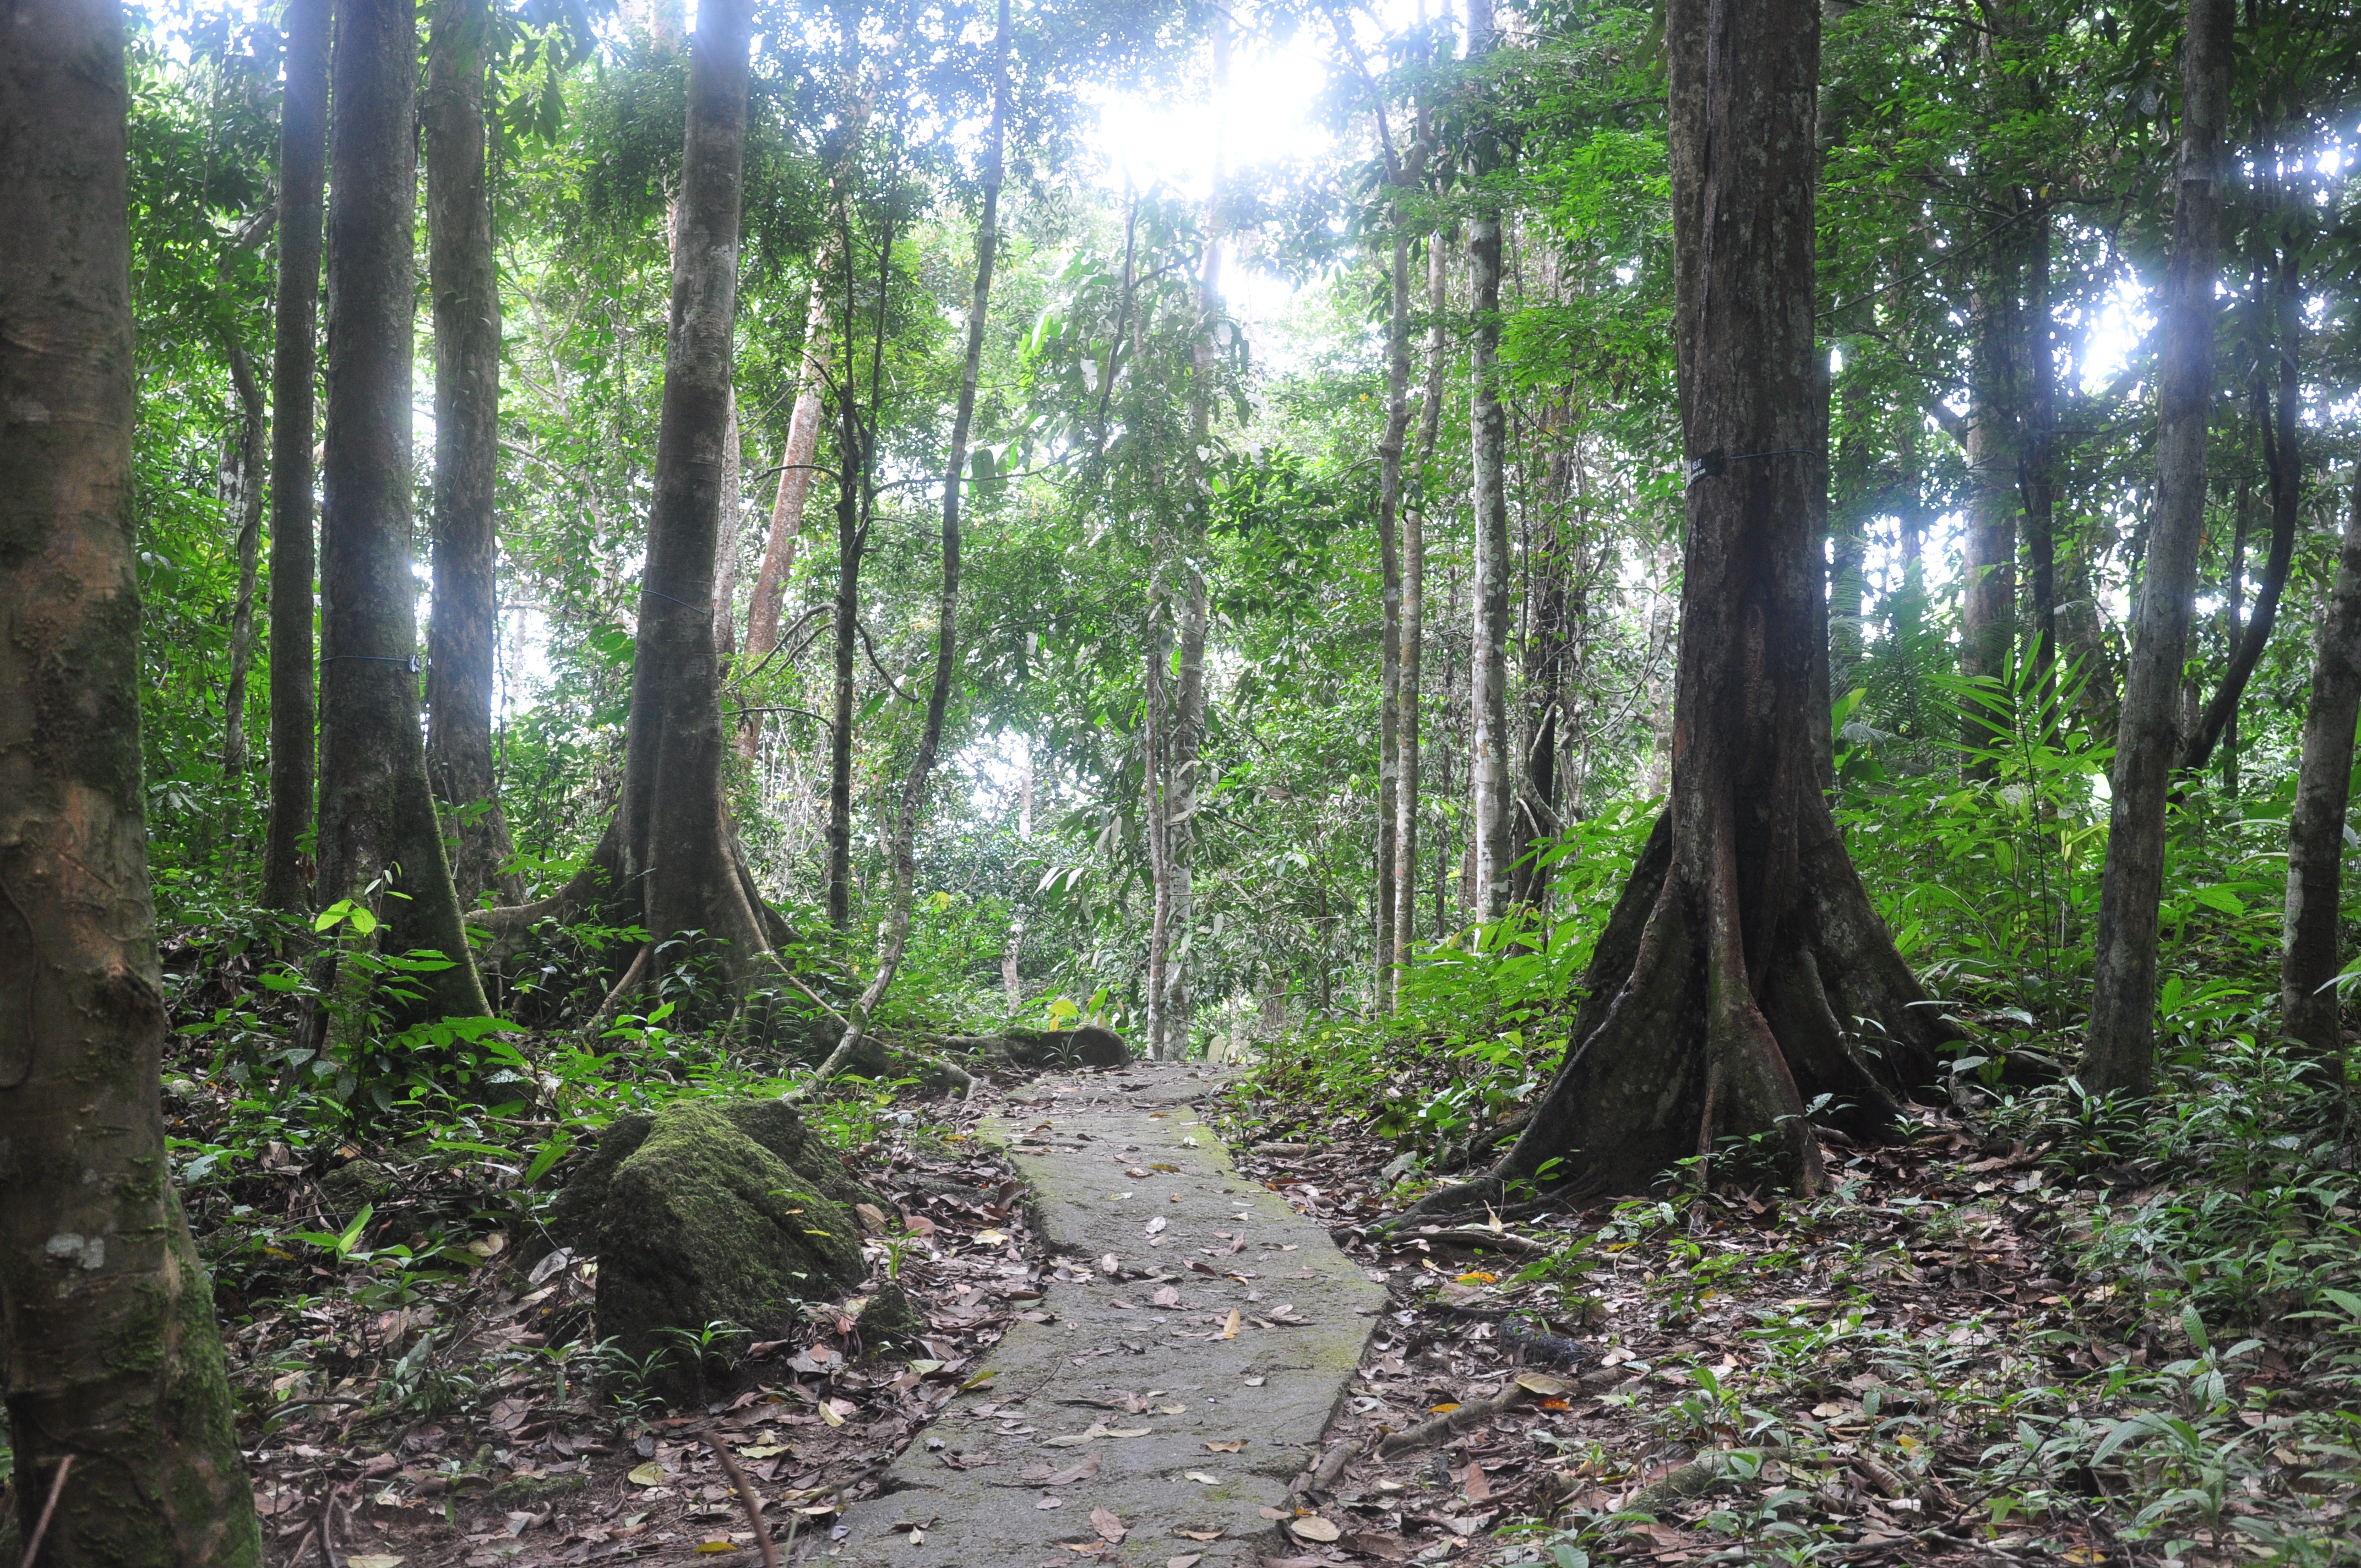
(355,1185)
(1089,1045)
(703,1224)
(528,1489)
(888,1325)
(774,1123)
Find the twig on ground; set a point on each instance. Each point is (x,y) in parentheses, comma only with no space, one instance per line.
(1448,1422)
(749,1500)
(41,1526)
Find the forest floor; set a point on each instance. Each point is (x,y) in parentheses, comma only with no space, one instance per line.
(1920,1367)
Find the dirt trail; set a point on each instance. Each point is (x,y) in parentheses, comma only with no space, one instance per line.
(1159,1408)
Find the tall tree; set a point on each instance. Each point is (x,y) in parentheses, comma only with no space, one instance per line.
(119,1410)
(464,278)
(2119,1051)
(904,869)
(379,841)
(2307,962)
(243,473)
(1723,996)
(1491,754)
(797,466)
(295,363)
(1418,486)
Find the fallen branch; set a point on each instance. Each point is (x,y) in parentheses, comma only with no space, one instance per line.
(41,1527)
(1447,1423)
(1695,1479)
(1476,1235)
(749,1500)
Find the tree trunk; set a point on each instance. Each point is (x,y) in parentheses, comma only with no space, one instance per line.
(379,832)
(2037,461)
(677,848)
(2308,960)
(462,637)
(1988,576)
(850,540)
(1722,995)
(2120,1048)
(118,1400)
(246,495)
(1397,699)
(2283,462)
(302,169)
(1548,655)
(764,613)
(1404,936)
(905,867)
(729,548)
(1491,762)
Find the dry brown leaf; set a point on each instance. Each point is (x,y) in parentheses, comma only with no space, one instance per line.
(1109,1527)
(1230,1447)
(1230,1329)
(1312,1527)
(1081,1470)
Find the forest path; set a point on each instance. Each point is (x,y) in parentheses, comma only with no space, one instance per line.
(1166,1409)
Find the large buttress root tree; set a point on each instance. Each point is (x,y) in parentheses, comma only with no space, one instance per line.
(379,840)
(669,857)
(1725,993)
(117,1403)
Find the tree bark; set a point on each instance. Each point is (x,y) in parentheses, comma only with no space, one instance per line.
(2307,960)
(379,832)
(1988,578)
(1491,762)
(302,170)
(904,870)
(462,637)
(764,613)
(1398,698)
(247,496)
(728,549)
(2038,463)
(114,1363)
(2120,1048)
(1721,997)
(1404,936)
(2283,462)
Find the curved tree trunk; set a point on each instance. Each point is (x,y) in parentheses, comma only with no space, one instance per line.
(922,766)
(1723,994)
(461,637)
(2282,460)
(2307,960)
(303,171)
(2120,1045)
(113,1362)
(765,611)
(379,841)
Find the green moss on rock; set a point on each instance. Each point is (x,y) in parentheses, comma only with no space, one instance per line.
(774,1123)
(889,1325)
(702,1223)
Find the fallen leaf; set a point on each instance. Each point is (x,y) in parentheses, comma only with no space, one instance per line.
(1173,1410)
(1312,1527)
(1156,1226)
(1256,1382)
(1443,1409)
(1543,1384)
(1081,1470)
(1109,1527)
(827,1414)
(1476,1278)
(701,1546)
(648,1475)
(1230,1329)
(1186,1560)
(1230,1447)
(1373,1544)
(372,1561)
(1168,1297)
(1050,1503)
(1174,1169)
(992,1238)
(1474,1483)
(763,1450)
(1199,1534)
(1203,1479)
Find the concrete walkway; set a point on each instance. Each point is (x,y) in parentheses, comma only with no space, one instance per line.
(1197,1340)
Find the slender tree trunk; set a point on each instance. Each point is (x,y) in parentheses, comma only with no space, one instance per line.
(118,1404)
(2234,624)
(2036,459)
(1155,779)
(1988,582)
(2308,961)
(850,540)
(1491,748)
(1396,731)
(2120,1048)
(905,866)
(763,615)
(302,171)
(378,833)
(2283,462)
(1404,936)
(1548,652)
(463,638)
(1720,998)
(730,545)
(252,438)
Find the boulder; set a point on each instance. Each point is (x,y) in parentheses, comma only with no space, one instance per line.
(774,1123)
(701,1224)
(1088,1045)
(887,1324)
